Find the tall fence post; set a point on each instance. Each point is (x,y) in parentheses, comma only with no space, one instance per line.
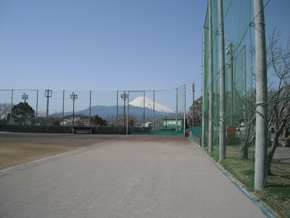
(203,91)
(11,107)
(210,146)
(117,110)
(184,122)
(63,94)
(245,79)
(36,112)
(90,111)
(176,128)
(154,110)
(127,126)
(144,109)
(222,147)
(261,99)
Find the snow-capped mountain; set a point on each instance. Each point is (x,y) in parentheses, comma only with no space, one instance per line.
(136,108)
(139,102)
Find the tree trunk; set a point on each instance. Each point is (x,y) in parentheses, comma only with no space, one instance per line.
(246,142)
(244,151)
(271,153)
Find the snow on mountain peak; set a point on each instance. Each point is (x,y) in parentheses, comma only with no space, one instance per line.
(139,102)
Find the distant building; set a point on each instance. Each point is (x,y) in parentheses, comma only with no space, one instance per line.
(79,120)
(148,124)
(170,124)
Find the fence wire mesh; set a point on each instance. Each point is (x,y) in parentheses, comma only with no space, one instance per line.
(240,100)
(141,111)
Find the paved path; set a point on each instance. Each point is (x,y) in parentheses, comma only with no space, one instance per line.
(123,178)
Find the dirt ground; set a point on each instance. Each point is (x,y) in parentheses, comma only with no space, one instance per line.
(16,148)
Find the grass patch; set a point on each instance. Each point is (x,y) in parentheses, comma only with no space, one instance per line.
(249,172)
(242,169)
(278,190)
(20,148)
(12,153)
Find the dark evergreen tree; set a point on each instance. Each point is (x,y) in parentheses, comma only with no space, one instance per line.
(98,121)
(22,113)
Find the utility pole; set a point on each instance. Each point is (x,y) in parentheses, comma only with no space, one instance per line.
(222,146)
(260,181)
(73,96)
(192,87)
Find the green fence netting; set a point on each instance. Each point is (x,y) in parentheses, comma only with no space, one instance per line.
(240,97)
(159,112)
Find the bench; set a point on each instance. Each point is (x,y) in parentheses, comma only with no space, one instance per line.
(82,130)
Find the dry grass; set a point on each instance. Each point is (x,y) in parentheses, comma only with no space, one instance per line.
(16,148)
(12,153)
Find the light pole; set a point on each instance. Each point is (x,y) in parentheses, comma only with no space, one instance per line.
(73,96)
(230,50)
(192,87)
(124,96)
(48,94)
(24,97)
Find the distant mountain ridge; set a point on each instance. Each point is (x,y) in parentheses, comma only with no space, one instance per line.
(135,108)
(139,102)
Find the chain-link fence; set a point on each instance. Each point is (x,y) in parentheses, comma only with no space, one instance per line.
(234,94)
(139,112)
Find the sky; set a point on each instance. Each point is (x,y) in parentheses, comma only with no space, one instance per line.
(108,45)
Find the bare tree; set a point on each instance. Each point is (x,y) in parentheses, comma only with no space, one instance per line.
(112,120)
(4,110)
(278,62)
(279,102)
(197,107)
(247,132)
(55,119)
(245,120)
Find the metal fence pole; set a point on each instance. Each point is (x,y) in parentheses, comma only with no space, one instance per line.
(117,109)
(90,111)
(127,128)
(11,107)
(203,91)
(261,99)
(144,109)
(176,128)
(184,119)
(222,144)
(210,147)
(192,87)
(36,112)
(63,93)
(245,79)
(154,110)
(232,89)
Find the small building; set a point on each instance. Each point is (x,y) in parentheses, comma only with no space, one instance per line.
(148,124)
(79,120)
(170,124)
